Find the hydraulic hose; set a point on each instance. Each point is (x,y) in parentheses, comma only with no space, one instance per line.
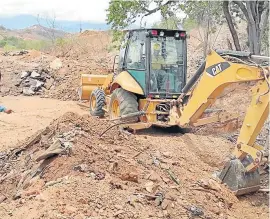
(194,78)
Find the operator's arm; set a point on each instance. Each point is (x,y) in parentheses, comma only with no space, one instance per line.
(5,110)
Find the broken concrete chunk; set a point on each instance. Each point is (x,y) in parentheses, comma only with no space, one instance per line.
(25,74)
(28,91)
(34,74)
(39,84)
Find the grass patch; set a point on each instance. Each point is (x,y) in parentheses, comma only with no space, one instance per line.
(14,43)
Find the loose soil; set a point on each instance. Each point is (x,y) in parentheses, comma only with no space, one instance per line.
(111,176)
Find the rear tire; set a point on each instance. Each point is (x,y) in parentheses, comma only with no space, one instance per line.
(97,102)
(127,103)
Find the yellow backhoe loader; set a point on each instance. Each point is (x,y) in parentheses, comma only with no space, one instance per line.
(149,88)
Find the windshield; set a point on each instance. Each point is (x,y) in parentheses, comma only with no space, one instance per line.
(167,65)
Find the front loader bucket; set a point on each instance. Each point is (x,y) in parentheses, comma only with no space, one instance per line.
(235,176)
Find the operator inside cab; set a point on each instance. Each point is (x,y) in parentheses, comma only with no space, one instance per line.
(158,76)
(157,58)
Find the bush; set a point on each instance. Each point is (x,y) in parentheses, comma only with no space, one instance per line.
(9,48)
(14,43)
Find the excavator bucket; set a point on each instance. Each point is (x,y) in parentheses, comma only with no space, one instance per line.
(235,176)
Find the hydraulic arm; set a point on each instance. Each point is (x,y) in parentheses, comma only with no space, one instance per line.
(241,173)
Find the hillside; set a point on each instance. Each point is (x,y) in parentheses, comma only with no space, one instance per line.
(35,32)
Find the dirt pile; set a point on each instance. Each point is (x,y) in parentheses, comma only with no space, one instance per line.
(115,176)
(59,70)
(88,53)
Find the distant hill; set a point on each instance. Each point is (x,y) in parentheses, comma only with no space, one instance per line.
(35,32)
(25,21)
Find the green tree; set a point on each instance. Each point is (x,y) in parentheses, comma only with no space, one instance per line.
(122,13)
(207,15)
(256,14)
(167,23)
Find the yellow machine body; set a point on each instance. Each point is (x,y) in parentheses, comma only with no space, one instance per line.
(127,82)
(90,82)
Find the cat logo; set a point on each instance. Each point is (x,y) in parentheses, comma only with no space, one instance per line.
(217,68)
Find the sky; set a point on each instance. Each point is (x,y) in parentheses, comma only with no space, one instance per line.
(71,10)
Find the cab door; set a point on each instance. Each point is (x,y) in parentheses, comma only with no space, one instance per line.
(135,59)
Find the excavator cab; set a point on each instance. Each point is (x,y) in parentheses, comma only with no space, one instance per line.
(156,59)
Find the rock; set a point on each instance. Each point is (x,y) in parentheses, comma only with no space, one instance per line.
(39,84)
(167,154)
(81,168)
(92,175)
(117,149)
(51,183)
(165,204)
(149,186)
(41,198)
(22,201)
(24,74)
(133,177)
(31,193)
(34,74)
(28,91)
(210,184)
(196,211)
(115,185)
(99,176)
(49,83)
(154,177)
(31,83)
(56,64)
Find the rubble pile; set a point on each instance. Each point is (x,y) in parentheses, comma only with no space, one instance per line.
(34,82)
(29,73)
(79,174)
(15,53)
(59,72)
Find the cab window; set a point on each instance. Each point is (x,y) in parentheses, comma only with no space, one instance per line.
(136,51)
(122,52)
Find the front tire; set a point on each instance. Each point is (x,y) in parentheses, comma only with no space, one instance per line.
(123,103)
(97,102)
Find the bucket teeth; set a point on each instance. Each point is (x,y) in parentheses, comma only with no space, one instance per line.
(234,175)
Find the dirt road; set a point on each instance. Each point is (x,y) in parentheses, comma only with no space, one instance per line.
(31,114)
